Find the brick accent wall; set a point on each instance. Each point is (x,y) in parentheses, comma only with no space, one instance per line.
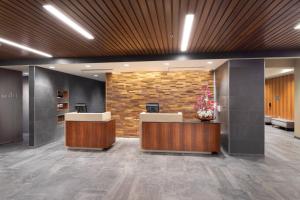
(128,93)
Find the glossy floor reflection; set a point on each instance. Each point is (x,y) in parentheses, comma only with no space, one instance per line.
(123,172)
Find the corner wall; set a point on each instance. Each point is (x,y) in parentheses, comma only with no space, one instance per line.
(246,103)
(25,110)
(222,98)
(240,86)
(297,98)
(43,85)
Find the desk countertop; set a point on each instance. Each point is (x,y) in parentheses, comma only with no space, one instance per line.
(106,116)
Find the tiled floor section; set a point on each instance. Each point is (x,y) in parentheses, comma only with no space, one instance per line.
(123,172)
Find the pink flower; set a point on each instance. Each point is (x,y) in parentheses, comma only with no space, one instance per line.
(204,100)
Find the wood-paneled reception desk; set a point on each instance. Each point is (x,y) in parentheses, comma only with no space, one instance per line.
(169,132)
(89,130)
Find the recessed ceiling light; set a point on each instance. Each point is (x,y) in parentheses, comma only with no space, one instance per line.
(187,28)
(96,75)
(51,67)
(167,63)
(287,70)
(209,62)
(88,66)
(126,65)
(297,26)
(68,21)
(20,46)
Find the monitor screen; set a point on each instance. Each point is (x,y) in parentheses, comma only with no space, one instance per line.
(152,107)
(81,107)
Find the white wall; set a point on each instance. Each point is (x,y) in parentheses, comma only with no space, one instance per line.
(297,98)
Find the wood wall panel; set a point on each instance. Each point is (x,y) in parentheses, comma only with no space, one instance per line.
(279,92)
(128,93)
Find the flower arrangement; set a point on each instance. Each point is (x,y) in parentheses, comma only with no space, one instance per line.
(204,105)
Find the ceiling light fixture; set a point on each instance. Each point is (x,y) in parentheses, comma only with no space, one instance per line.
(25,74)
(51,67)
(102,70)
(20,46)
(88,66)
(59,15)
(167,64)
(126,65)
(297,26)
(209,62)
(201,68)
(187,28)
(286,70)
(96,75)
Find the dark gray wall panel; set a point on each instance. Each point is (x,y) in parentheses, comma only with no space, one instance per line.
(222,98)
(10,106)
(31,104)
(246,89)
(46,83)
(87,91)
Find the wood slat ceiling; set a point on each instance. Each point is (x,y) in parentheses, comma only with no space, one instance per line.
(149,27)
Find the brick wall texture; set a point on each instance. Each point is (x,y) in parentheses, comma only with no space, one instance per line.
(128,93)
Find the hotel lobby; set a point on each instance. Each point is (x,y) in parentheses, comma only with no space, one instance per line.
(155,99)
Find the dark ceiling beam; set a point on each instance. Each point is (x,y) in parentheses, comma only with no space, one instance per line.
(225,55)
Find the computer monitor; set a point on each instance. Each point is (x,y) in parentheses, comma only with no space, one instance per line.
(81,107)
(152,107)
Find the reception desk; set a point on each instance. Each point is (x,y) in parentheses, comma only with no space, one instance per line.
(89,130)
(169,132)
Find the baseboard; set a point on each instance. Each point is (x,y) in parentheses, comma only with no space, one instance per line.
(177,152)
(246,154)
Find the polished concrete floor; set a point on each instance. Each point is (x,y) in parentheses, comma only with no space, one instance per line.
(123,172)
